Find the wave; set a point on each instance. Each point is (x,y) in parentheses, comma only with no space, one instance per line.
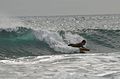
(30,42)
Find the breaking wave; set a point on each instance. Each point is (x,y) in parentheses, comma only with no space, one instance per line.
(28,40)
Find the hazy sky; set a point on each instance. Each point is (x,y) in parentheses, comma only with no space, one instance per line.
(58,7)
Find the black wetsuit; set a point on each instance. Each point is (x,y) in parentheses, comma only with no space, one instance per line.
(76,45)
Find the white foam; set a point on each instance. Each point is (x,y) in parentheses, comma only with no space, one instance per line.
(65,66)
(57,42)
(107,73)
(73,38)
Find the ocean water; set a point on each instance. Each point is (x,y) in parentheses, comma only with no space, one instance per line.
(36,47)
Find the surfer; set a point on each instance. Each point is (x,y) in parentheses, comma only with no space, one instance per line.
(80,46)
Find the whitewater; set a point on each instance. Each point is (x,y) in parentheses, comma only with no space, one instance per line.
(36,47)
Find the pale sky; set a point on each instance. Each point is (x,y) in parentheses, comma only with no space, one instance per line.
(58,7)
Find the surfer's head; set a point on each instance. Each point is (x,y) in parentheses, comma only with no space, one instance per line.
(83,42)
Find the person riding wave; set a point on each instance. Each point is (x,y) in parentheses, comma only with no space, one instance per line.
(80,45)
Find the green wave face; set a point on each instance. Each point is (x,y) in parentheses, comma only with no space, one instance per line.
(21,43)
(19,36)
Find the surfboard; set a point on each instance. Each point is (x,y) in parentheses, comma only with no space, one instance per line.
(82,50)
